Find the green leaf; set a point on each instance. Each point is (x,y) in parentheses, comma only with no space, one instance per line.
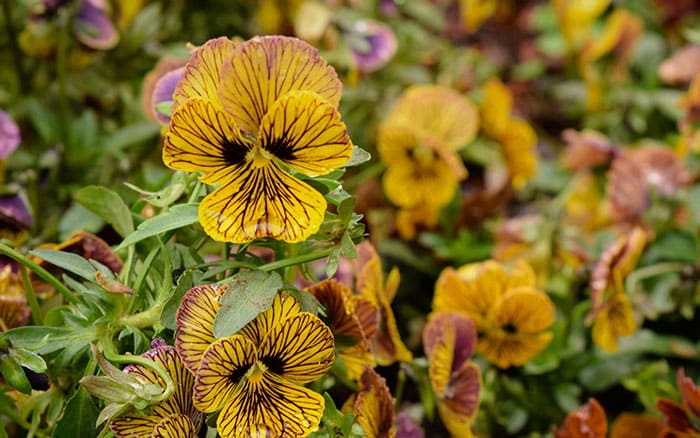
(359,156)
(44,340)
(677,245)
(167,316)
(68,261)
(14,375)
(249,294)
(29,359)
(177,217)
(109,206)
(79,417)
(131,135)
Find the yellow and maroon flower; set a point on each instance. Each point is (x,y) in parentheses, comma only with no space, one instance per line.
(255,377)
(353,321)
(176,416)
(387,345)
(373,406)
(248,114)
(449,340)
(14,310)
(419,141)
(511,315)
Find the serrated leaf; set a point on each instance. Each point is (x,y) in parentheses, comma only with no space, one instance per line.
(68,261)
(79,416)
(177,217)
(107,205)
(249,294)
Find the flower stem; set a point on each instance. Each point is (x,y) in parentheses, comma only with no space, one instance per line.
(37,318)
(14,47)
(39,271)
(296,260)
(651,271)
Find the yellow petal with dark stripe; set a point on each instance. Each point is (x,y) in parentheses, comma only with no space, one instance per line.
(374,406)
(224,366)
(283,306)
(271,406)
(195,323)
(441,355)
(134,427)
(202,74)
(204,138)
(263,202)
(175,426)
(305,132)
(263,69)
(300,348)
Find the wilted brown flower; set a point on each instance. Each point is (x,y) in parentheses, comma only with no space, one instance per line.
(589,421)
(586,149)
(635,173)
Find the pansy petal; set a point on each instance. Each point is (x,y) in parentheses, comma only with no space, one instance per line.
(204,138)
(271,406)
(463,340)
(202,74)
(305,132)
(614,320)
(356,358)
(505,350)
(269,203)
(374,406)
(336,298)
(301,348)
(175,426)
(441,111)
(496,106)
(464,391)
(195,323)
(388,346)
(524,309)
(440,353)
(134,427)
(408,183)
(263,69)
(283,306)
(223,367)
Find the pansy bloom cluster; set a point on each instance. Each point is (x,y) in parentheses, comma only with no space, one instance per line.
(254,117)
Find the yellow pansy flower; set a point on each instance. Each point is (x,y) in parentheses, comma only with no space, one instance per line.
(373,406)
(510,314)
(418,142)
(248,115)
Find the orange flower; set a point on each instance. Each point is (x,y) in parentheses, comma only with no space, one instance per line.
(373,406)
(679,418)
(588,422)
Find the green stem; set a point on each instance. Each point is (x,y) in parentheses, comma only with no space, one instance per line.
(14,47)
(296,260)
(144,319)
(651,271)
(39,271)
(111,354)
(37,318)
(400,384)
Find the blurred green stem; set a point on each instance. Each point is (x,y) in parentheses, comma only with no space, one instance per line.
(14,46)
(39,271)
(637,276)
(37,318)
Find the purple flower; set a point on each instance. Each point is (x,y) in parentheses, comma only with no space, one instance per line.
(406,427)
(14,213)
(372,44)
(92,26)
(163,92)
(9,135)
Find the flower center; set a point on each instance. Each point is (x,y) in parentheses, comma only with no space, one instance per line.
(256,372)
(258,156)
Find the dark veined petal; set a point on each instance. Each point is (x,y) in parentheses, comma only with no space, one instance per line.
(374,406)
(195,323)
(271,406)
(175,426)
(464,391)
(204,138)
(202,74)
(305,132)
(262,69)
(337,299)
(224,365)
(268,203)
(179,403)
(283,307)
(300,348)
